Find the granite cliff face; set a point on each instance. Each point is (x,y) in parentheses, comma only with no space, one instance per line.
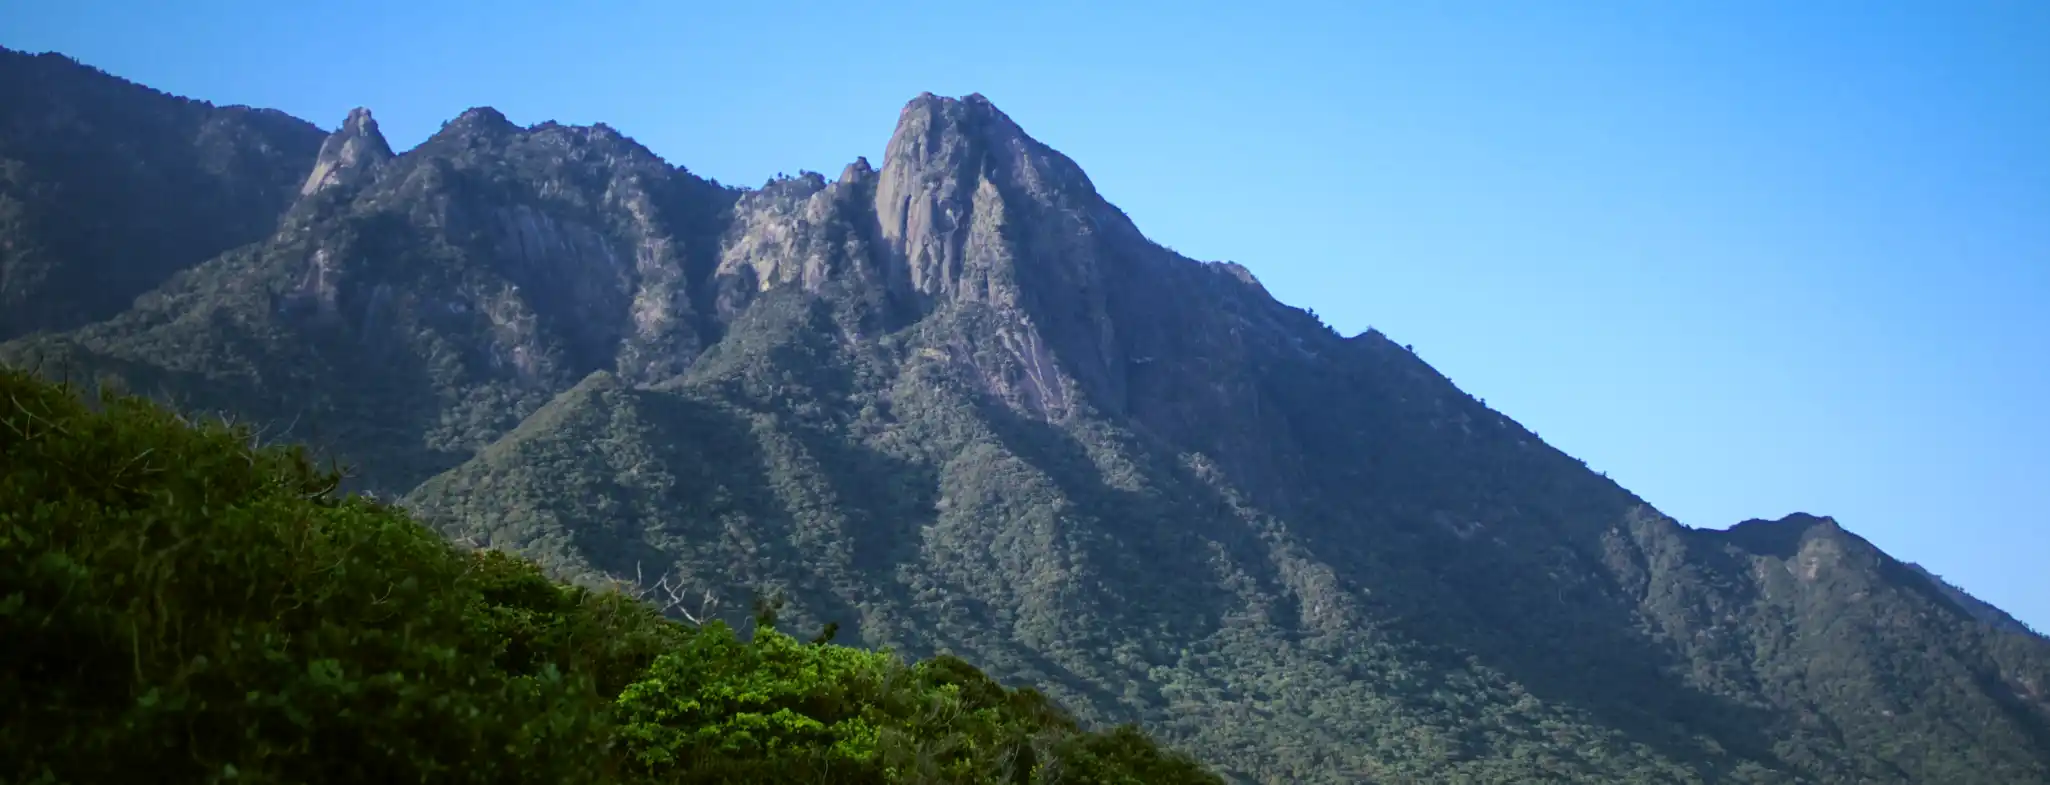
(351,153)
(957,401)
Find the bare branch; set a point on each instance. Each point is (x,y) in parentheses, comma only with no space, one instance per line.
(671,595)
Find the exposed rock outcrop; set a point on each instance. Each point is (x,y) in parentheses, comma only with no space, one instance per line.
(351,153)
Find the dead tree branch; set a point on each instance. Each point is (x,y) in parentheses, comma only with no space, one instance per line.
(670,595)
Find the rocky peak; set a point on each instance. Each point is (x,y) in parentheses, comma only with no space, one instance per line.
(971,209)
(1783,537)
(481,117)
(796,231)
(577,247)
(857,172)
(477,121)
(955,171)
(354,148)
(927,124)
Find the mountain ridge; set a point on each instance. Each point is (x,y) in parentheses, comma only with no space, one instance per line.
(108,187)
(958,401)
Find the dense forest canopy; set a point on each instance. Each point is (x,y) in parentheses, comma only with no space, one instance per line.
(182,605)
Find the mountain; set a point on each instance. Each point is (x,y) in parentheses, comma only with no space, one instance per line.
(107,188)
(959,402)
(407,310)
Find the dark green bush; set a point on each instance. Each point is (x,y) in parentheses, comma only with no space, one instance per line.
(181,606)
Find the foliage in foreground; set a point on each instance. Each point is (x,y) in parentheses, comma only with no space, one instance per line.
(180,606)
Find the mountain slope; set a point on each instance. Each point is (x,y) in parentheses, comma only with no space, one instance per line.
(1136,477)
(107,187)
(959,402)
(1978,608)
(409,309)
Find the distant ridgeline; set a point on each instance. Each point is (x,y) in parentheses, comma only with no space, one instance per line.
(181,606)
(954,402)
(1978,608)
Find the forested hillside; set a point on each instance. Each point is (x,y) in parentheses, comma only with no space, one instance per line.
(108,188)
(956,402)
(185,606)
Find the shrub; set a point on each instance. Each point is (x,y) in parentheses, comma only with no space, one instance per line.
(180,605)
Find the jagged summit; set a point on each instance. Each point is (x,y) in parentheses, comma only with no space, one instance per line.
(971,131)
(358,146)
(972,108)
(482,115)
(1800,521)
(857,171)
(957,170)
(476,120)
(361,122)
(936,136)
(1788,535)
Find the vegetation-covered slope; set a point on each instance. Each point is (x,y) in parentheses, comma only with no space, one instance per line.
(107,188)
(409,310)
(959,402)
(1137,587)
(1005,423)
(1978,608)
(181,606)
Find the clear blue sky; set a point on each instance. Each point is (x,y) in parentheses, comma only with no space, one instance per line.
(1748,257)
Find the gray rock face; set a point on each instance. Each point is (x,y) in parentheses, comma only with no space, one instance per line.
(956,175)
(352,152)
(801,232)
(972,210)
